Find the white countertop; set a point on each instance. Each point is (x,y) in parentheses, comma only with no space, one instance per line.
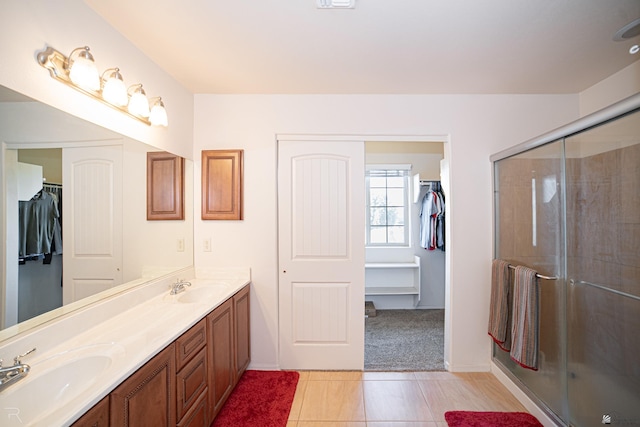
(114,349)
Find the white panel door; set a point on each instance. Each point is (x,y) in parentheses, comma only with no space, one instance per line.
(321,254)
(92,220)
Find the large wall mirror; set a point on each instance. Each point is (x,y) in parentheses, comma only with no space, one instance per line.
(94,181)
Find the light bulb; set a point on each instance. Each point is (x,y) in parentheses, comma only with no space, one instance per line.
(138,103)
(158,115)
(114,91)
(84,72)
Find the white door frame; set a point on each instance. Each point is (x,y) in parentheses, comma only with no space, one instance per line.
(445,138)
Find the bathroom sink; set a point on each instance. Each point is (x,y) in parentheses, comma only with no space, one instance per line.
(201,295)
(51,384)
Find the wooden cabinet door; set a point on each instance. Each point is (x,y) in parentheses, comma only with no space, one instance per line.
(165,186)
(148,397)
(241,309)
(98,416)
(221,355)
(222,174)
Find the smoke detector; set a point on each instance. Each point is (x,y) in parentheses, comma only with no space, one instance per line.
(336,4)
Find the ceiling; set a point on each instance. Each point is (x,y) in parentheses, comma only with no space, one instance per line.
(380,47)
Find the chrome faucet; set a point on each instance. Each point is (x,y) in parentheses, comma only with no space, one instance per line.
(11,374)
(178,287)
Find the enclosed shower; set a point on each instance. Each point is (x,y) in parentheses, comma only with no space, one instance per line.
(567,204)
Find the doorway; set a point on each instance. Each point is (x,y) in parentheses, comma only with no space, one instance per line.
(404,270)
(287,327)
(39,182)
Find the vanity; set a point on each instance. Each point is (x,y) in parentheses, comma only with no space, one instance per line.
(144,357)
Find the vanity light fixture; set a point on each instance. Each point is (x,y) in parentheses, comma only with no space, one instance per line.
(80,72)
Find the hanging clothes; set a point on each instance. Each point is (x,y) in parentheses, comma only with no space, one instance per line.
(432,220)
(39,225)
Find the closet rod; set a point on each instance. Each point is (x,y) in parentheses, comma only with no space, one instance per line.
(541,276)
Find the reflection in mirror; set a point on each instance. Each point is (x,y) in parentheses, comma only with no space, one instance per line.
(88,184)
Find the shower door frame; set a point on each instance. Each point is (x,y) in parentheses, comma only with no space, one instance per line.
(618,110)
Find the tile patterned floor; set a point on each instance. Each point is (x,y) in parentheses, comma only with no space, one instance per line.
(393,399)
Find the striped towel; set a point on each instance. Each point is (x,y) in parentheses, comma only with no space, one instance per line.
(525,327)
(500,304)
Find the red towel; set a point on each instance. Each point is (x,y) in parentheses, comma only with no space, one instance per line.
(499,305)
(525,328)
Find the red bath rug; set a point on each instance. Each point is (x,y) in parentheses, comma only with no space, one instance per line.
(490,419)
(261,398)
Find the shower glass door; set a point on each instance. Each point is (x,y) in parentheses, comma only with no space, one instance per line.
(530,231)
(603,272)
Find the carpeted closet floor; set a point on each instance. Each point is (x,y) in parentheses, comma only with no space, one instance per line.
(404,340)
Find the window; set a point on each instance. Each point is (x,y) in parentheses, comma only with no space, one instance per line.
(387,190)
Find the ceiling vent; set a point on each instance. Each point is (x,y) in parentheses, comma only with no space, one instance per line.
(629,31)
(336,4)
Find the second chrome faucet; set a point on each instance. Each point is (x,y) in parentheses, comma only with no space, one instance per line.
(178,287)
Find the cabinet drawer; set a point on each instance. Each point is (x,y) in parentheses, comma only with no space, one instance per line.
(197,415)
(190,343)
(191,383)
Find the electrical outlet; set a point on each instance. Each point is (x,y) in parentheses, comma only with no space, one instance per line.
(206,244)
(180,245)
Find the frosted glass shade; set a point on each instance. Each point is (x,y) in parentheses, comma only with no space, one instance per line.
(84,72)
(114,91)
(139,104)
(158,115)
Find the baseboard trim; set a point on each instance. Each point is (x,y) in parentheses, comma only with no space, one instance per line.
(467,368)
(529,404)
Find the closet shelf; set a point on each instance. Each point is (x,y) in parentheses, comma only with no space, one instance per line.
(391,290)
(393,278)
(391,265)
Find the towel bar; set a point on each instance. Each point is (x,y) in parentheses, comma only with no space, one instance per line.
(604,288)
(541,276)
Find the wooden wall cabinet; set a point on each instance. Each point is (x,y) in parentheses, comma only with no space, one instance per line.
(222,186)
(165,186)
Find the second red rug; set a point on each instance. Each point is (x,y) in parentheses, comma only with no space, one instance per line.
(490,419)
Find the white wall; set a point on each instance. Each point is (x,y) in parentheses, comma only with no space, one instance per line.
(620,85)
(477,127)
(28,26)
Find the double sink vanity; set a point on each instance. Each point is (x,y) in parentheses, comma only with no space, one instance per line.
(146,356)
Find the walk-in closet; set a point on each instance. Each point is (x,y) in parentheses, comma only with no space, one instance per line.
(405,258)
(40,231)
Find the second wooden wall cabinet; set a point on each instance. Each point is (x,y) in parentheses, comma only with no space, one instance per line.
(222,192)
(188,382)
(165,186)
